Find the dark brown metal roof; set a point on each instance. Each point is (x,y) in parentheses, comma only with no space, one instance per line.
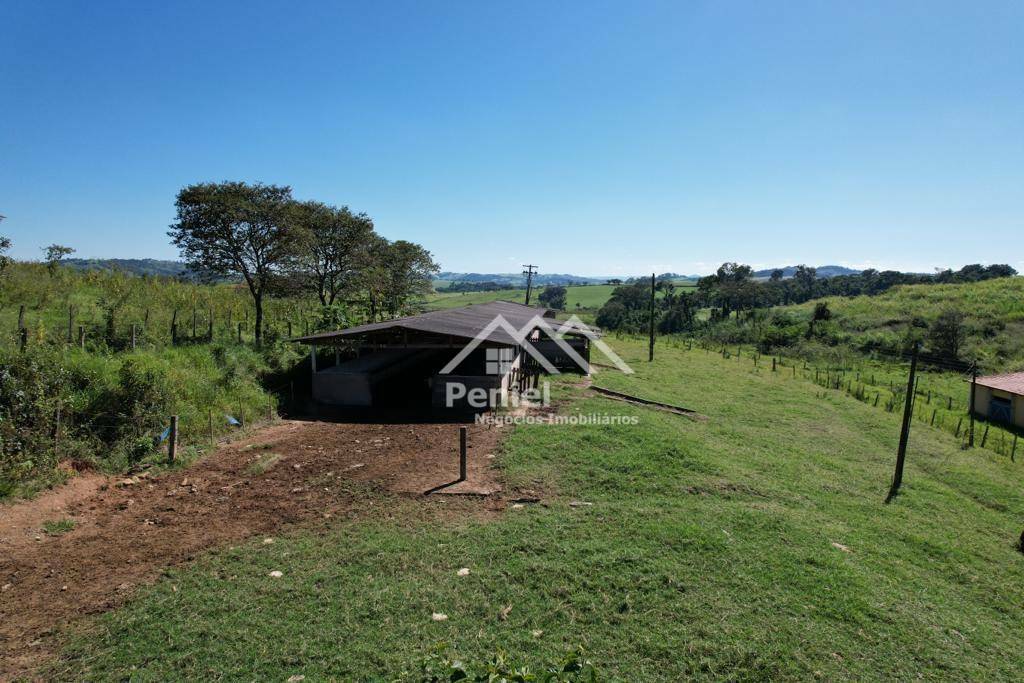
(465,323)
(1012,383)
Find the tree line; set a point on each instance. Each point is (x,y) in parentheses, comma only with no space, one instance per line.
(282,246)
(733,290)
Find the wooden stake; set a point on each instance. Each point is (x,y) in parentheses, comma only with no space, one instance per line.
(462,453)
(172,444)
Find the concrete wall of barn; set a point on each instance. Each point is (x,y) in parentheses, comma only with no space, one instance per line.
(983,396)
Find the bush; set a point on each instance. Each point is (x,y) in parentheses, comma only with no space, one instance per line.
(113,405)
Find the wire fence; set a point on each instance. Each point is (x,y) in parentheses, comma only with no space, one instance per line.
(933,402)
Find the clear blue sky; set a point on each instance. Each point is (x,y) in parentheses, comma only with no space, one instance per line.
(586,137)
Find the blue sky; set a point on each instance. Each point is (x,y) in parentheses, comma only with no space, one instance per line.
(593,138)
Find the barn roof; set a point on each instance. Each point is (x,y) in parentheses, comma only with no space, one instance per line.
(465,323)
(1012,382)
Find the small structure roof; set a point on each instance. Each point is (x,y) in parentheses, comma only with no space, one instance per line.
(465,323)
(1011,382)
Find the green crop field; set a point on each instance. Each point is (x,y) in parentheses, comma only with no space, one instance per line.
(750,545)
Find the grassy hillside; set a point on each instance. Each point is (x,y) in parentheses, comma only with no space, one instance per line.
(753,545)
(994,312)
(889,323)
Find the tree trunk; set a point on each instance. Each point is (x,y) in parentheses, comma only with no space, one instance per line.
(257,298)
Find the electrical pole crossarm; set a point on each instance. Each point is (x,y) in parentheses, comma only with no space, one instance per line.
(529,273)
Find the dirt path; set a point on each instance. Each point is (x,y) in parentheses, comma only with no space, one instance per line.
(127,530)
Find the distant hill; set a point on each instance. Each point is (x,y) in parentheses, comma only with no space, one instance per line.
(514,280)
(136,266)
(519,280)
(823,271)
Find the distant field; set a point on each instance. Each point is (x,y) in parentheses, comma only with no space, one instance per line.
(588,297)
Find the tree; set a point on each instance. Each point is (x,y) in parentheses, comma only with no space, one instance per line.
(335,245)
(947,334)
(5,245)
(396,272)
(777,275)
(54,253)
(553,297)
(821,314)
(805,277)
(236,228)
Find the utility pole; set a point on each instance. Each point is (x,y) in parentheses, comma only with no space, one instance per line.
(908,409)
(529,272)
(650,355)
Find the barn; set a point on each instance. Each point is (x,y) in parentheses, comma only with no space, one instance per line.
(446,359)
(1000,398)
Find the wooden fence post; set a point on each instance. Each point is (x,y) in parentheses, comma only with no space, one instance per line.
(172,443)
(23,338)
(213,440)
(239,333)
(21,317)
(81,337)
(462,454)
(133,336)
(71,324)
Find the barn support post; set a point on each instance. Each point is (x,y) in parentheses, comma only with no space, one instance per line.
(312,357)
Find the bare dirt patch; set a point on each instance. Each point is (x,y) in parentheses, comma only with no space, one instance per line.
(128,529)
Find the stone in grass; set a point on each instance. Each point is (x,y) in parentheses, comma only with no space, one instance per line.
(267,541)
(296,678)
(840,546)
(463,572)
(439,616)
(275,574)
(579,504)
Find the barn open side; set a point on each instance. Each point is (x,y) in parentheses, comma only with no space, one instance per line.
(437,360)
